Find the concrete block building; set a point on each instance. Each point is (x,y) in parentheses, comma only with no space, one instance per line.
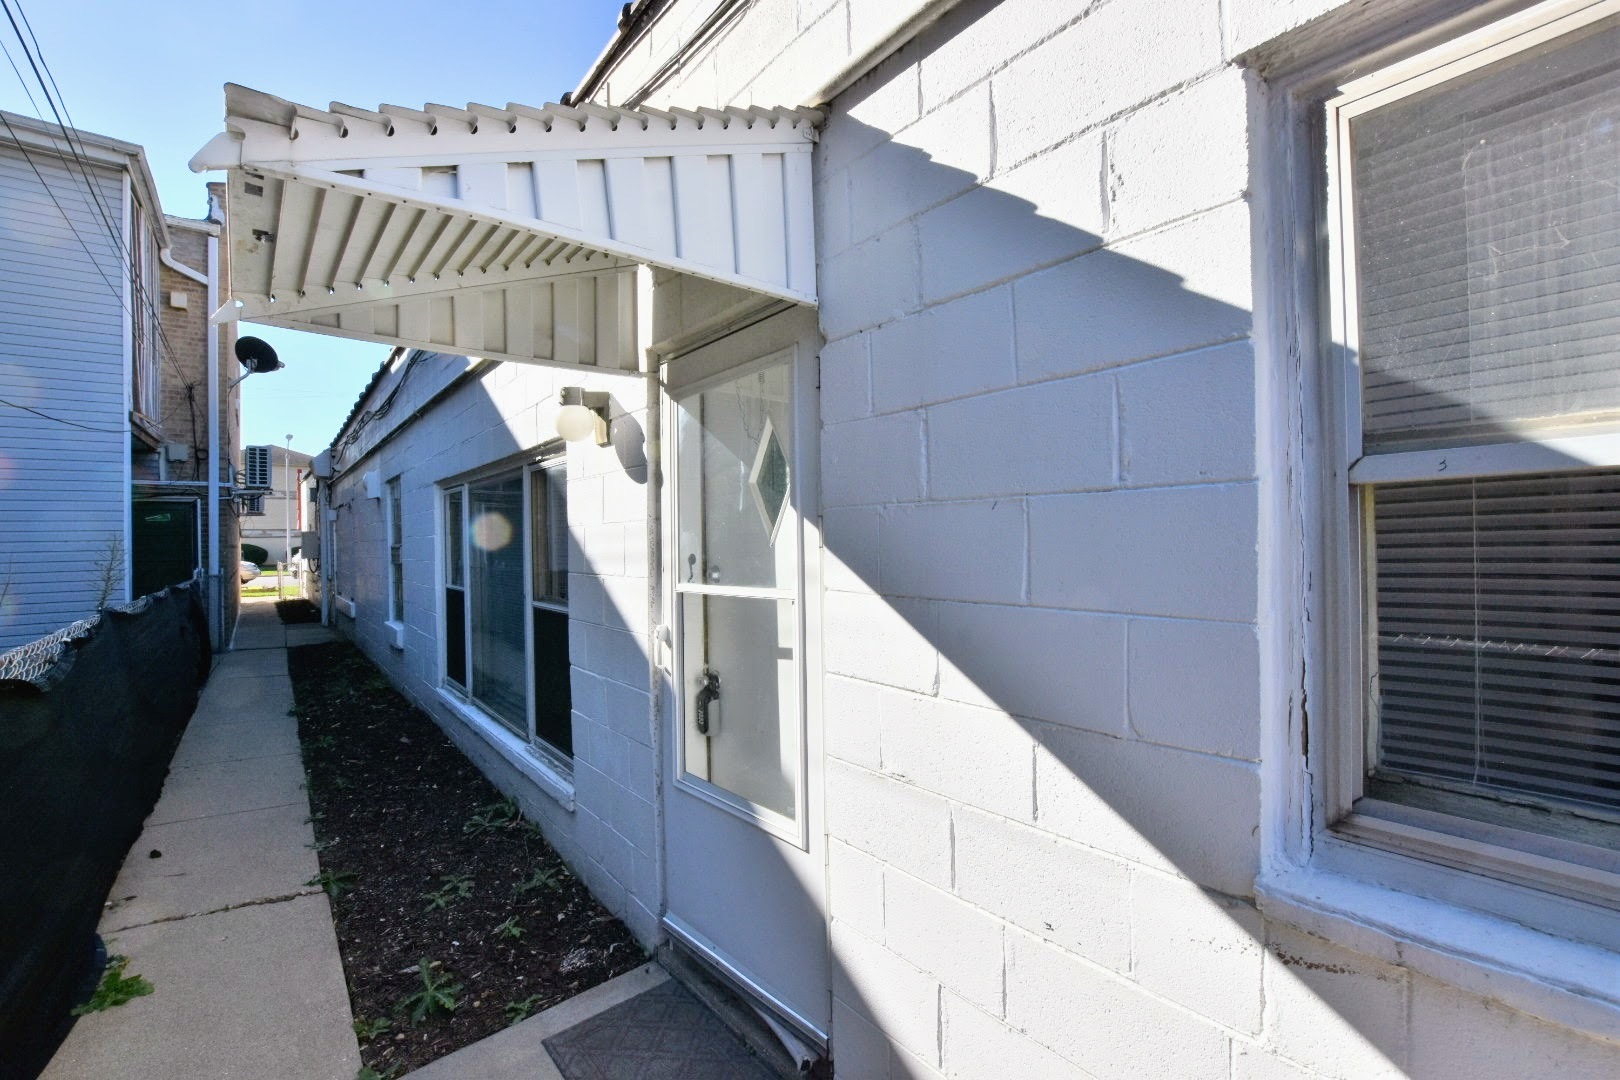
(1076,537)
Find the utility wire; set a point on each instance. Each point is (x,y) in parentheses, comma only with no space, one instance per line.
(64,121)
(60,420)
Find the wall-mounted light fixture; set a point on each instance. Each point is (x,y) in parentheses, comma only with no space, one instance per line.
(583,415)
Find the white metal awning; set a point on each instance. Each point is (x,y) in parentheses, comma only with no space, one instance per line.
(509,233)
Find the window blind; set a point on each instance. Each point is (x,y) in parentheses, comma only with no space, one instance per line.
(1488,248)
(1498,635)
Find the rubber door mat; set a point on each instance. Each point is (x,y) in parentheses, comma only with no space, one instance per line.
(660,1034)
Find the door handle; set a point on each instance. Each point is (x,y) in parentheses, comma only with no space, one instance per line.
(708,692)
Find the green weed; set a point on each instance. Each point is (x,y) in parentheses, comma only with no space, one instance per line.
(451,887)
(438,994)
(521,1010)
(543,878)
(334,882)
(495,816)
(370,1029)
(114,989)
(510,929)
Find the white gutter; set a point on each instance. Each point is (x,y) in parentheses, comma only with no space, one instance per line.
(868,54)
(216,588)
(181,268)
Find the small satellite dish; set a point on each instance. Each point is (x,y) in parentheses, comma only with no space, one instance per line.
(257,356)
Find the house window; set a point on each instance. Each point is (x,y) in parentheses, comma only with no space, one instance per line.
(396,558)
(143,315)
(1474,234)
(506,601)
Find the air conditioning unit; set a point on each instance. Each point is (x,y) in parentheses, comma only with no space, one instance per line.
(252,505)
(256,467)
(310,544)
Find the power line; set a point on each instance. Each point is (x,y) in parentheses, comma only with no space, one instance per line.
(64,120)
(60,420)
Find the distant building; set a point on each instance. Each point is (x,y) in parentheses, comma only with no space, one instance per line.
(104,383)
(273,511)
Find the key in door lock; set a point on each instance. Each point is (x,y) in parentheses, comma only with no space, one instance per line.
(708,693)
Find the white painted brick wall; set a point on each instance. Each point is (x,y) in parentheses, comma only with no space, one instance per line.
(957,550)
(609,835)
(897,997)
(1332,1011)
(1075,897)
(975,1043)
(949,351)
(1041,685)
(1126,1032)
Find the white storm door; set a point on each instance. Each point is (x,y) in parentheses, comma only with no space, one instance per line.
(745,855)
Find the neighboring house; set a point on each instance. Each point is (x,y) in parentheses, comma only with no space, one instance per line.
(104,383)
(1103,560)
(279,510)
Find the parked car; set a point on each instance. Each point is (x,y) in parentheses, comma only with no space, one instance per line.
(249,571)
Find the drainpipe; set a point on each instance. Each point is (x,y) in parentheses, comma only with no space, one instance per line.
(216,583)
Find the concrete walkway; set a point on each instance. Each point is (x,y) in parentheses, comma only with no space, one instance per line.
(212,904)
(213,908)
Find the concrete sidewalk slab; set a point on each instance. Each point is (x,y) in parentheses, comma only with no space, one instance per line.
(201,868)
(245,739)
(252,662)
(230,787)
(517,1053)
(234,698)
(245,994)
(241,952)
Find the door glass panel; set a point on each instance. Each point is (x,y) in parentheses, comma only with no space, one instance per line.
(736,482)
(495,545)
(742,723)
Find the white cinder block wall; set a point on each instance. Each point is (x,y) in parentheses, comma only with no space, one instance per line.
(606,831)
(1042,682)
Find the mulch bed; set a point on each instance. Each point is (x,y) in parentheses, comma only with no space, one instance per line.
(428,864)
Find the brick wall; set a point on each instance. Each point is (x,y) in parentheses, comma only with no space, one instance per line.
(606,828)
(183,374)
(1042,686)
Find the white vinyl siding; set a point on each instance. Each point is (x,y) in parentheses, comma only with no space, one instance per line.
(63,489)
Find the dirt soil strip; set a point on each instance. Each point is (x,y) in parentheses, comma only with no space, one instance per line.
(426,862)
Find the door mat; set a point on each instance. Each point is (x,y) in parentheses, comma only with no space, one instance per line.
(660,1034)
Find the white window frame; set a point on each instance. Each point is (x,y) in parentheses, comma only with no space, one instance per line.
(394,540)
(1512,921)
(546,767)
(792,830)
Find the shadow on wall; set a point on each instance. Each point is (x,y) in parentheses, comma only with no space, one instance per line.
(1042,669)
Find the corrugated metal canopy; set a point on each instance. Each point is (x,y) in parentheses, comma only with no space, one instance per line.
(510,232)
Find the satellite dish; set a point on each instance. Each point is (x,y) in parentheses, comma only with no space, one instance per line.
(257,356)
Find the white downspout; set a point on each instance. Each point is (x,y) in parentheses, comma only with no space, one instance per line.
(216,583)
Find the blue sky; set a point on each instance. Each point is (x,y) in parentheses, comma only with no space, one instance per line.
(153,73)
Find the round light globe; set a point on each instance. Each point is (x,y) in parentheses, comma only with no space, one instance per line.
(576,423)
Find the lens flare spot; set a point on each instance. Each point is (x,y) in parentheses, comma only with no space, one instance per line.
(8,472)
(491,531)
